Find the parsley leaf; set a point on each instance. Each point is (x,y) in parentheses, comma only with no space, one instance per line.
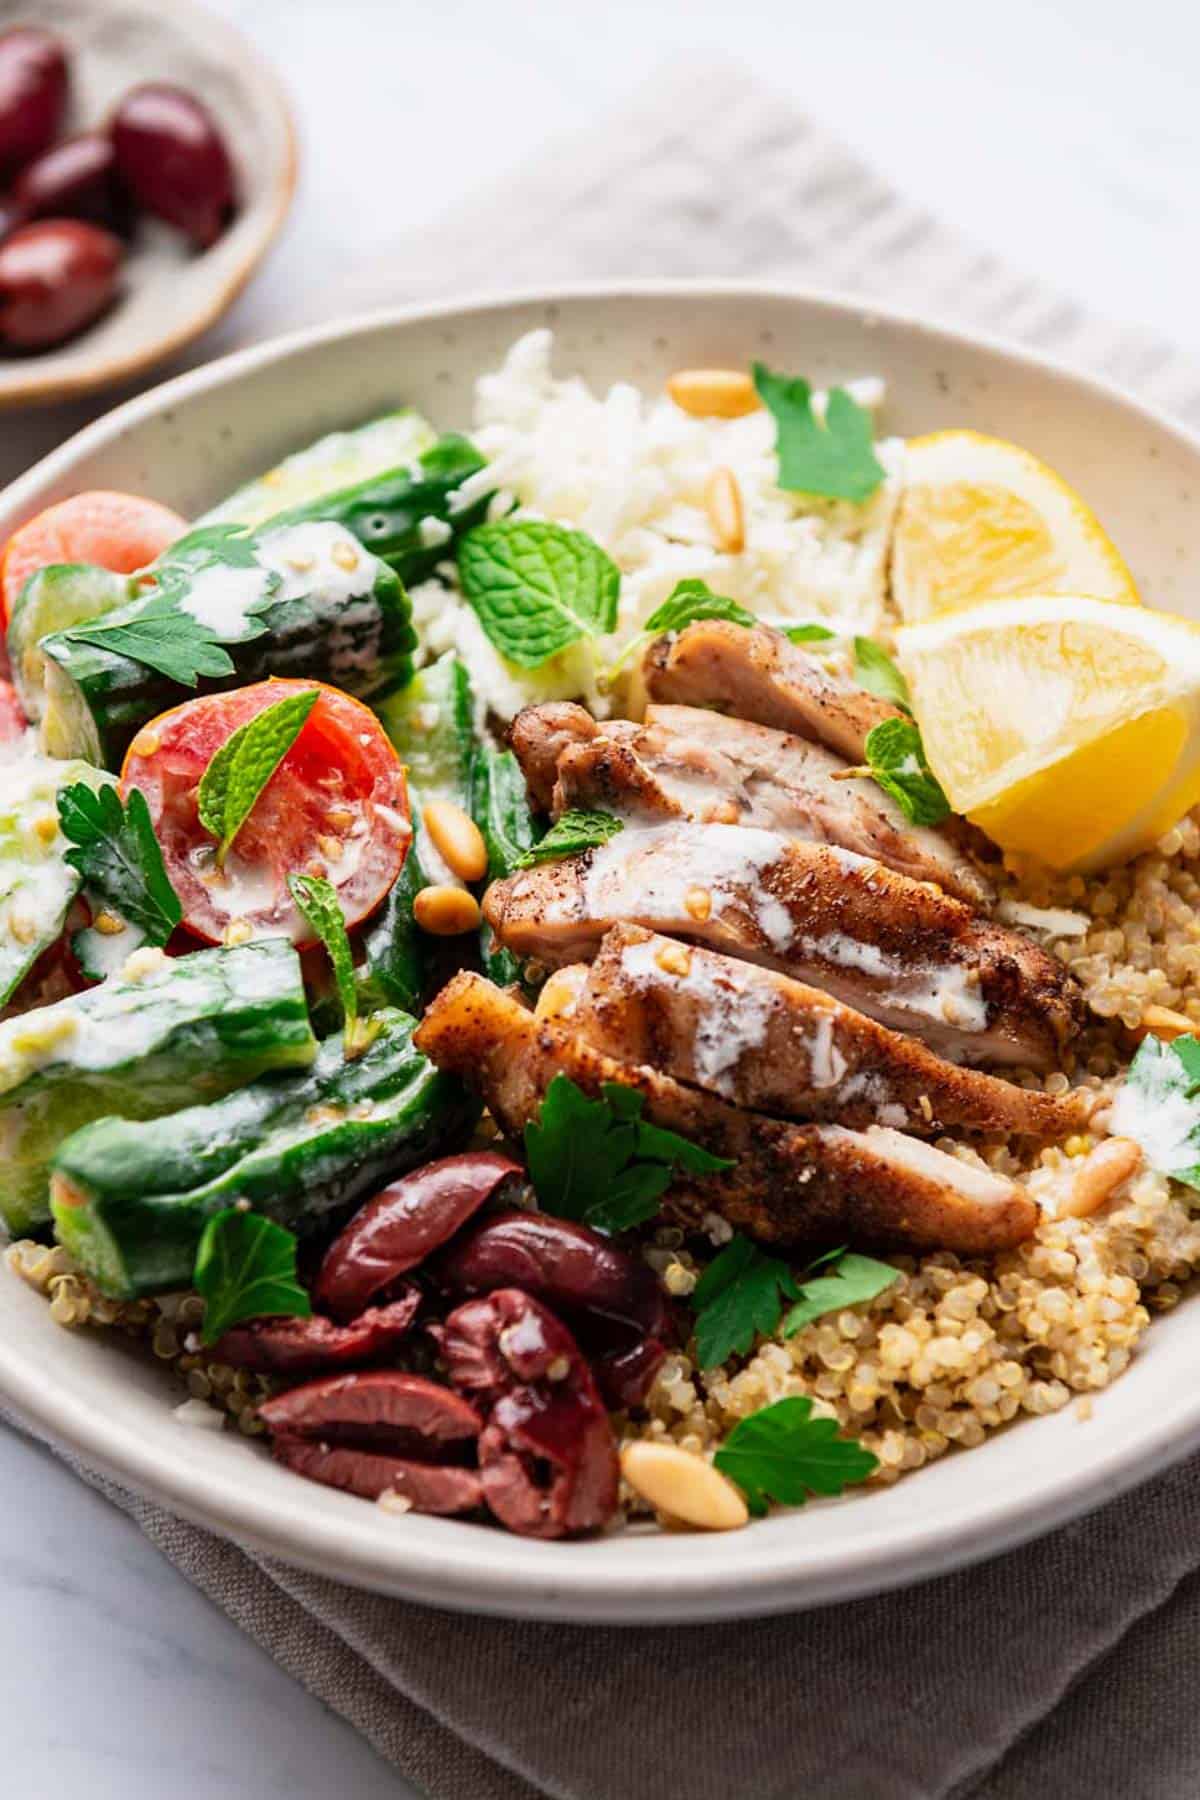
(835,459)
(234,545)
(245,762)
(319,904)
(116,853)
(782,1453)
(599,1161)
(537,587)
(852,1280)
(246,1269)
(896,761)
(875,671)
(1158,1106)
(171,643)
(739,1294)
(809,634)
(573,832)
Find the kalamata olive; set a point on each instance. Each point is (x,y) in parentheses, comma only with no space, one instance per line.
(610,1299)
(547,1454)
(56,276)
(384,1429)
(33,94)
(75,180)
(403,1225)
(173,157)
(308,1346)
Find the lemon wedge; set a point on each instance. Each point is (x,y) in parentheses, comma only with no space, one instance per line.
(981,518)
(1066,728)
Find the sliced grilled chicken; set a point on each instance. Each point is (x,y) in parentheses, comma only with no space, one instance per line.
(756,673)
(789,1184)
(769,1043)
(899,950)
(699,765)
(539,735)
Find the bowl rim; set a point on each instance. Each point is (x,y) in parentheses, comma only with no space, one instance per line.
(36,389)
(472,1573)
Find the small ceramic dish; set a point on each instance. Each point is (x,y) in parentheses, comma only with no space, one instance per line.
(192,440)
(170,292)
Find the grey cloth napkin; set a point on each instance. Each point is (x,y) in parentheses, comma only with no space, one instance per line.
(1061,1669)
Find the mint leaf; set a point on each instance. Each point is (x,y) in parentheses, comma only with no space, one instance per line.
(809,634)
(1158,1106)
(240,770)
(896,761)
(537,587)
(575,831)
(599,1161)
(834,460)
(171,643)
(852,1280)
(692,600)
(116,853)
(318,902)
(688,601)
(739,1295)
(875,671)
(782,1453)
(246,1269)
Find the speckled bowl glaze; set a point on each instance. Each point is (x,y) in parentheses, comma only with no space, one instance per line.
(192,440)
(170,294)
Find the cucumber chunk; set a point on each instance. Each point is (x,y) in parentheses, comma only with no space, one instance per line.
(430,723)
(341,459)
(57,597)
(131,1200)
(190,1028)
(37,884)
(299,600)
(410,516)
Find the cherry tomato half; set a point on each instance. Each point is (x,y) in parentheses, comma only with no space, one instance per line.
(12,718)
(121,532)
(336,806)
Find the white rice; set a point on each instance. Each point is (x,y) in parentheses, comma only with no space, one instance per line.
(632,472)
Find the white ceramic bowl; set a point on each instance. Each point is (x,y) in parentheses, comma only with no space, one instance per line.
(170,293)
(193,439)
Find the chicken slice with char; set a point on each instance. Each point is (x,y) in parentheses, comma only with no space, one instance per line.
(773,1045)
(702,766)
(901,951)
(754,672)
(790,1185)
(539,735)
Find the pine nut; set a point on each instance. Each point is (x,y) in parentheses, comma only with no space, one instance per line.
(1161,1022)
(723,503)
(446,911)
(108,924)
(685,1486)
(46,827)
(560,996)
(1102,1171)
(714,393)
(673,959)
(345,556)
(697,903)
(457,838)
(238,931)
(146,743)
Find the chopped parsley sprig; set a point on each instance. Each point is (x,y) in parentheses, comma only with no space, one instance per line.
(600,1162)
(783,1453)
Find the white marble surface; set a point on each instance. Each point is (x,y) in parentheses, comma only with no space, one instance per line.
(1061,132)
